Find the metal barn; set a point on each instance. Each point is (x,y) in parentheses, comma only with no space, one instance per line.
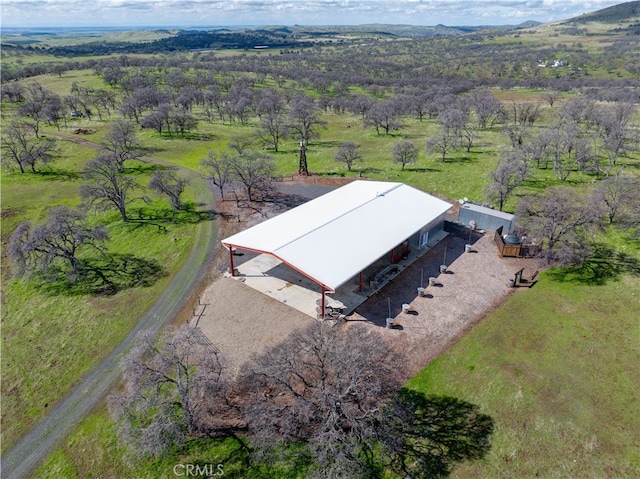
(337,236)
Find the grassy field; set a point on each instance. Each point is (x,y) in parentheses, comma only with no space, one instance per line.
(87,455)
(463,174)
(52,334)
(558,375)
(556,367)
(33,317)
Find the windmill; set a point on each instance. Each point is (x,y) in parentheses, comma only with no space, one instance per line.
(303,169)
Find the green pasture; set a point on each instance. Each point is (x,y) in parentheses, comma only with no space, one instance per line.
(462,174)
(62,84)
(53,334)
(88,455)
(69,38)
(556,368)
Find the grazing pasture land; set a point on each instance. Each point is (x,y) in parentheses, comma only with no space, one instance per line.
(556,367)
(54,333)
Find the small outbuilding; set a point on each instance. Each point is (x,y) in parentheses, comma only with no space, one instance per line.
(335,237)
(481,217)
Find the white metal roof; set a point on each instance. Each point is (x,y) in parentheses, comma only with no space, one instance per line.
(334,237)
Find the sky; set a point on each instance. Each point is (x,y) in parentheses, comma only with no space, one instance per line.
(187,13)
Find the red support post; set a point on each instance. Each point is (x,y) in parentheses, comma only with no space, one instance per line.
(322,301)
(233,271)
(361,281)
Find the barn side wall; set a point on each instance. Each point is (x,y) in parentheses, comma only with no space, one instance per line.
(486,221)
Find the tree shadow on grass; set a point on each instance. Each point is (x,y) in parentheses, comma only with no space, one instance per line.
(200,136)
(537,184)
(329,143)
(159,218)
(140,169)
(426,436)
(106,276)
(461,159)
(368,170)
(235,456)
(605,264)
(59,175)
(422,170)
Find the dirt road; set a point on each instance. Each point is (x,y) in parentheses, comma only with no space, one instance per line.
(37,444)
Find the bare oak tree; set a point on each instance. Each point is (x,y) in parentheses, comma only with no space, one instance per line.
(320,389)
(60,239)
(218,170)
(348,153)
(509,173)
(122,143)
(272,128)
(24,149)
(304,119)
(620,194)
(182,121)
(170,184)
(562,219)
(442,142)
(405,153)
(452,123)
(616,131)
(565,146)
(174,388)
(383,116)
(240,143)
(488,108)
(107,188)
(254,170)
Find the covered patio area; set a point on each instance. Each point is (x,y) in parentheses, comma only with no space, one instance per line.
(268,275)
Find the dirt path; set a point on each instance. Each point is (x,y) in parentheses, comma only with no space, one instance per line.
(37,444)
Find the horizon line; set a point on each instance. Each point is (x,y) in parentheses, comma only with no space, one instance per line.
(183,26)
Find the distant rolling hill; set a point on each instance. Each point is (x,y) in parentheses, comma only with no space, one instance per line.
(398,29)
(624,12)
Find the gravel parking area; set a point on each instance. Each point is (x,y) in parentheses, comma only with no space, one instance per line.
(241,321)
(474,284)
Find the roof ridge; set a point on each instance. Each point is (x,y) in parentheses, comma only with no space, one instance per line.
(344,213)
